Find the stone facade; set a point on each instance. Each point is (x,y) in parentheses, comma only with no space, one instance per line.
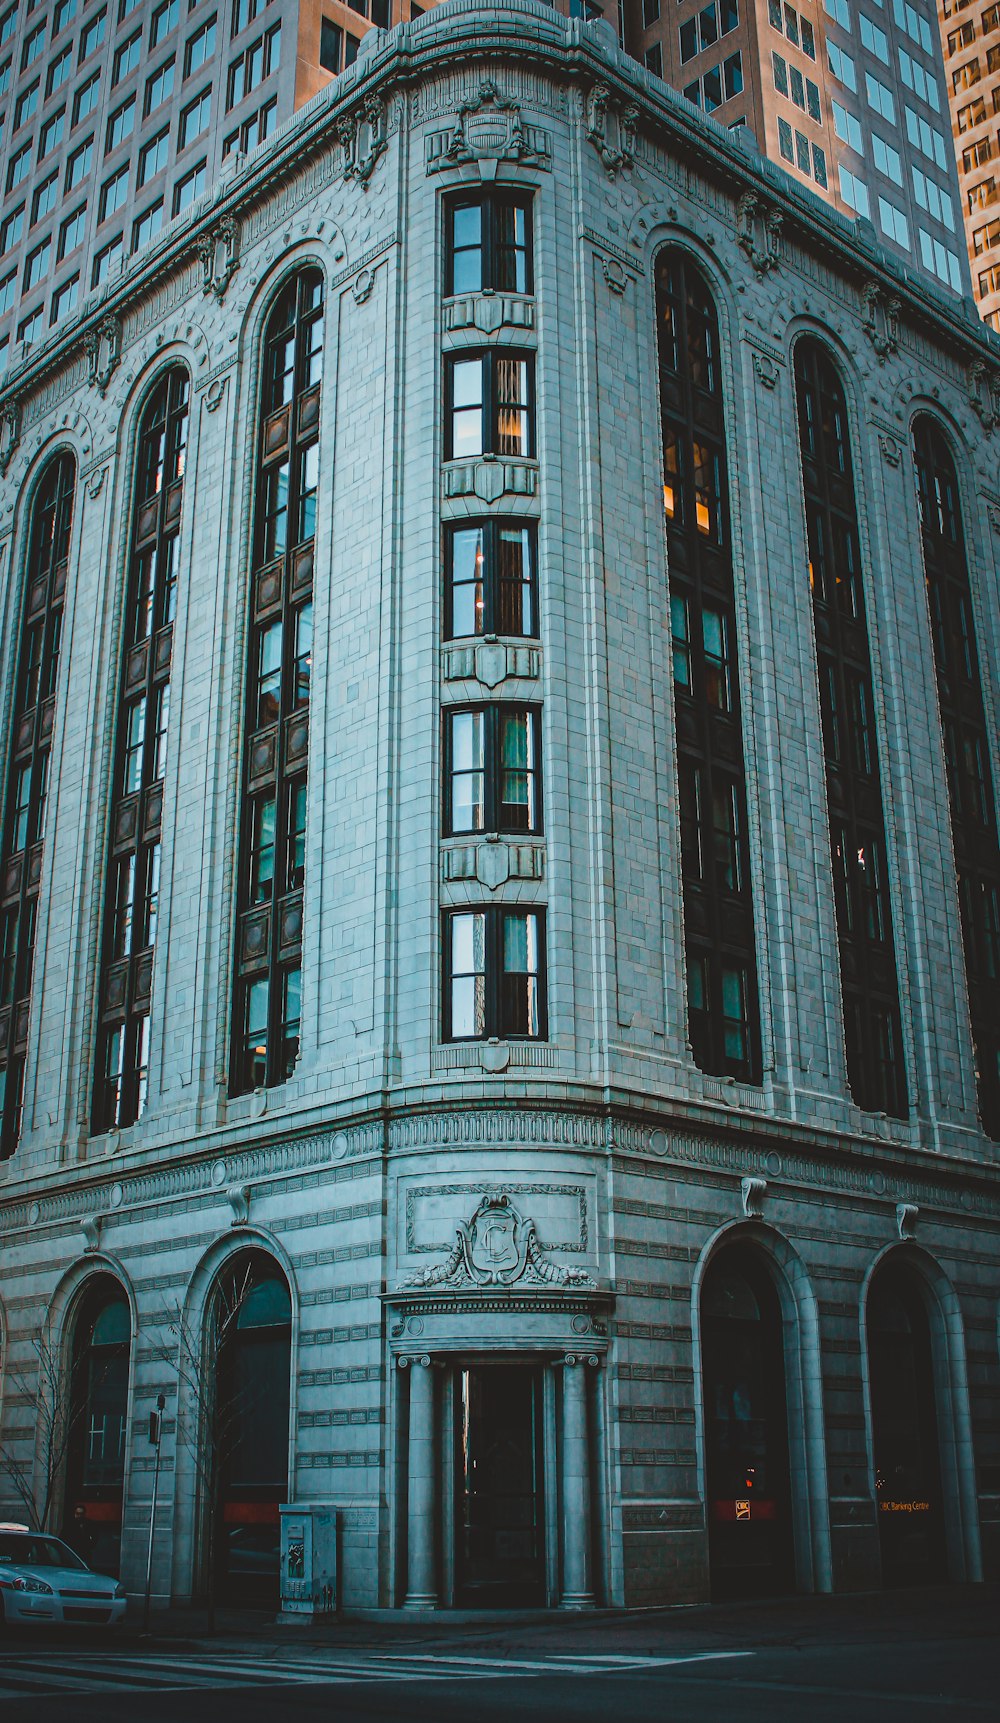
(558,1201)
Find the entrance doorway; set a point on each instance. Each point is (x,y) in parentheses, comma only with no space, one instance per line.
(98,1426)
(904,1430)
(746,1429)
(499,1511)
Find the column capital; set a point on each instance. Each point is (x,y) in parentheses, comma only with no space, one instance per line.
(423,1359)
(592,1358)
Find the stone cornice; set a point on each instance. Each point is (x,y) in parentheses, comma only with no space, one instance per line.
(672,1133)
(569,50)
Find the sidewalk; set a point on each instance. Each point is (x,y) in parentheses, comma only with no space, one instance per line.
(946,1612)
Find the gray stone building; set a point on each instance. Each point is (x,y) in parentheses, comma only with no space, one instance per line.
(499,871)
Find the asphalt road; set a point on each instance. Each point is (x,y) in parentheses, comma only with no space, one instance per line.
(877,1660)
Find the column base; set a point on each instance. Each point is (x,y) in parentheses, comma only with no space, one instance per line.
(420,1600)
(578,1600)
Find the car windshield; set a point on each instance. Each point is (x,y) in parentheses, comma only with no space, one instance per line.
(21,1551)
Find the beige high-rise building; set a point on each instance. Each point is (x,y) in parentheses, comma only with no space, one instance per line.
(970,36)
(847,95)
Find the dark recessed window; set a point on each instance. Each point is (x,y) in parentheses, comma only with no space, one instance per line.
(490,585)
(494,974)
(723,1015)
(966,749)
(489,243)
(490,401)
(267,982)
(132,879)
(29,742)
(869,986)
(492,769)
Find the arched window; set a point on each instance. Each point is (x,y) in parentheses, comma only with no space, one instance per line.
(723,1010)
(904,1429)
(268,979)
(875,1068)
(29,742)
(966,748)
(746,1428)
(98,1425)
(132,883)
(250,1336)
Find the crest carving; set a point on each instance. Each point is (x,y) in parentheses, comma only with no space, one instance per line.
(611,130)
(498,1247)
(880,320)
(758,232)
(363,140)
(104,351)
(487,128)
(219,252)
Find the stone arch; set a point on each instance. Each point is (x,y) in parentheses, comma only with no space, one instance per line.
(57,1334)
(803,1391)
(190,1346)
(960,1508)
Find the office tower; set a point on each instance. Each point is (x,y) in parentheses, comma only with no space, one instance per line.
(848,96)
(499,879)
(971,40)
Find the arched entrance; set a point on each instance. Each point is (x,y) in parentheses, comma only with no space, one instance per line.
(905,1429)
(98,1424)
(751,1547)
(250,1326)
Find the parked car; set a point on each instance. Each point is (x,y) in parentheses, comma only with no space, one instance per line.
(43,1580)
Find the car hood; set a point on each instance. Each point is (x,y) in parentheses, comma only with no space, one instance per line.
(63,1578)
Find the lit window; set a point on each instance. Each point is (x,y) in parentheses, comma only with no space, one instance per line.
(490,406)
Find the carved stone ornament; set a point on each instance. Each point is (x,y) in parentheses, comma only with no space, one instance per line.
(892,450)
(238,1198)
(104,351)
(95,483)
(758,231)
(880,320)
(361,286)
(753,1191)
(498,1247)
(766,369)
(984,393)
(611,130)
(363,139)
(907,1215)
(10,432)
(219,252)
(615,274)
(213,394)
(487,130)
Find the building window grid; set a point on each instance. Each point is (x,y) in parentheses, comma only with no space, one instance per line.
(131,895)
(267,983)
(27,776)
(854,789)
(723,1011)
(963,723)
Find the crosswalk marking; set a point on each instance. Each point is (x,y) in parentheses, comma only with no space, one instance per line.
(52,1672)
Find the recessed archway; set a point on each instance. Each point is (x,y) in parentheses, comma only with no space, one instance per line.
(97,1434)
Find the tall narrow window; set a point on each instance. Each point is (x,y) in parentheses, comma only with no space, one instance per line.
(963,721)
(723,1012)
(27,776)
(132,883)
(267,992)
(854,789)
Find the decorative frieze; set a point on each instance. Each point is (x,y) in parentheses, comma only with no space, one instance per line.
(488,312)
(493,862)
(489,479)
(490,662)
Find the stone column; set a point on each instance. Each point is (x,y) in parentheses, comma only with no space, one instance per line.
(576,1588)
(421,1585)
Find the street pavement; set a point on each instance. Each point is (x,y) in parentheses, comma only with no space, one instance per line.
(885,1659)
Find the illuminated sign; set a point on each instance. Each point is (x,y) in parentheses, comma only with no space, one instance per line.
(742,1510)
(904,1507)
